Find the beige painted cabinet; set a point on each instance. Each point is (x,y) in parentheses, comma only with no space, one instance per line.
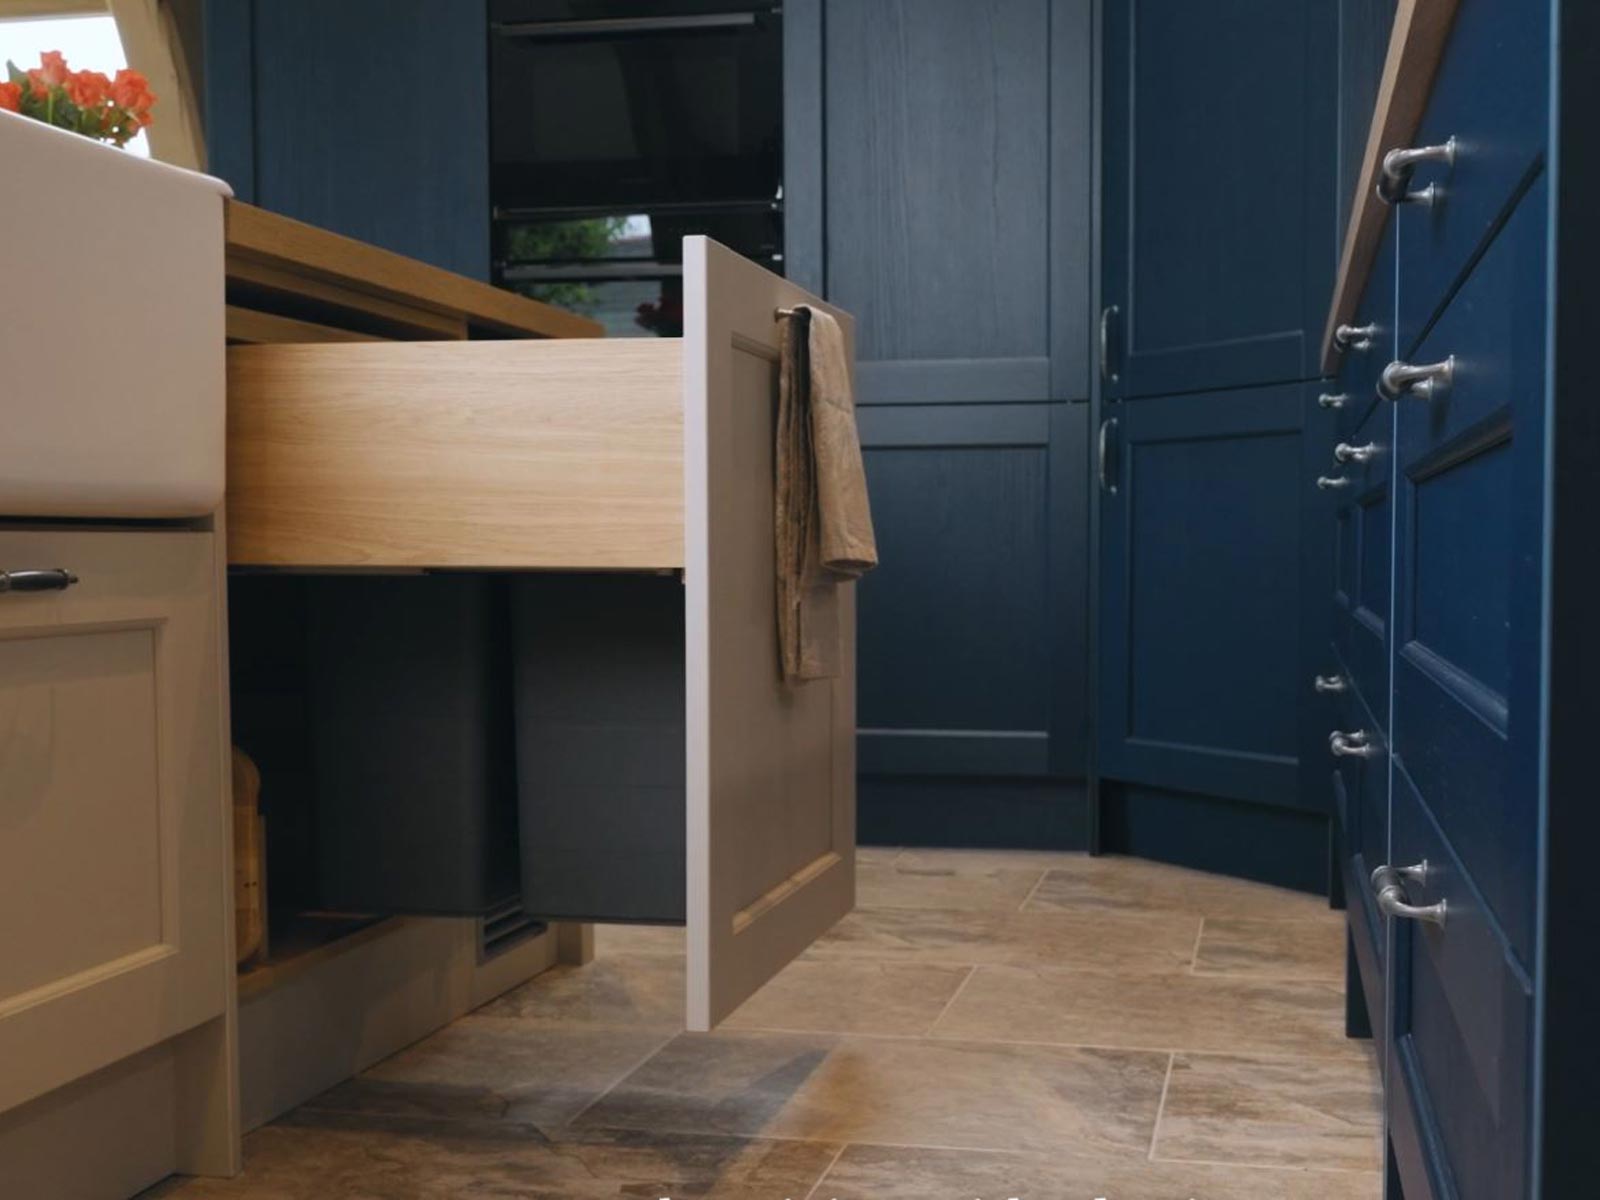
(113,855)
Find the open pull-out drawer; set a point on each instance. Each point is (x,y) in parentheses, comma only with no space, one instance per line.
(665,772)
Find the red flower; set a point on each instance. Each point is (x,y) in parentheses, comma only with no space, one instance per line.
(52,69)
(11,97)
(131,90)
(37,87)
(88,89)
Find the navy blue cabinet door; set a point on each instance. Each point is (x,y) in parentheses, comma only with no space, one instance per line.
(366,117)
(1218,211)
(956,186)
(1204,656)
(972,628)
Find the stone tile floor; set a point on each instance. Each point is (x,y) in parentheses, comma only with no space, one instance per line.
(985,1025)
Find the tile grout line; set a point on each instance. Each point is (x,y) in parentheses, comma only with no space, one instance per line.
(1161,1105)
(1034,890)
(828,1170)
(972,970)
(621,1078)
(1199,936)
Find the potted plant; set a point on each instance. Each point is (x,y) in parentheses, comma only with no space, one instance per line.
(86,102)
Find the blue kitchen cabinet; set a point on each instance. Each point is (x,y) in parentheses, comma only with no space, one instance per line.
(1218,211)
(366,117)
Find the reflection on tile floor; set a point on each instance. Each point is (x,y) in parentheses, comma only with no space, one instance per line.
(1037,1025)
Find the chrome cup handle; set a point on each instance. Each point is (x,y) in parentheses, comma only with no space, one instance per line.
(1330,684)
(1329,482)
(1355,337)
(1425,381)
(1394,179)
(1350,745)
(1332,399)
(1344,452)
(1389,888)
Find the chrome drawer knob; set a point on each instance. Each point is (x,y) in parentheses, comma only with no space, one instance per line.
(57,579)
(1332,399)
(1330,683)
(1351,745)
(1425,381)
(1346,453)
(1389,887)
(1329,482)
(1354,337)
(1394,180)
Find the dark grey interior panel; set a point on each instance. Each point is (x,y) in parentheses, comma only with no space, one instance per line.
(411,737)
(600,745)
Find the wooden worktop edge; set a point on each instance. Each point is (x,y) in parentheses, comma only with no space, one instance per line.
(1416,45)
(257,235)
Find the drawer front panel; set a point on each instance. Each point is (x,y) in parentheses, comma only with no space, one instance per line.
(112,803)
(1463,1028)
(1491,95)
(1364,521)
(1467,537)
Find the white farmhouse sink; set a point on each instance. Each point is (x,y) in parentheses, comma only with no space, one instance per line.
(112,387)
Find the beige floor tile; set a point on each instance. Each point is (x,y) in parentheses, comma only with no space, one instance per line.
(613,940)
(1136,884)
(481,1068)
(1273,949)
(338,1157)
(1279,1112)
(1177,1012)
(909,885)
(986,860)
(877,854)
(890,1173)
(1140,943)
(843,996)
(638,991)
(889,1090)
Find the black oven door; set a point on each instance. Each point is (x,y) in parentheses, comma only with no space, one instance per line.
(634,105)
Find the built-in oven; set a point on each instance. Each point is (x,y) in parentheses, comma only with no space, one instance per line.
(619,126)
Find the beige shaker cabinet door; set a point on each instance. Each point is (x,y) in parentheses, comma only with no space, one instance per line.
(113,926)
(770,792)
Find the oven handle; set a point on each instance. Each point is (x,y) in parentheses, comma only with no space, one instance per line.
(625,26)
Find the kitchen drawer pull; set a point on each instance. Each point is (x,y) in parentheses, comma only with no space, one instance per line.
(1394,180)
(1332,399)
(1330,683)
(57,579)
(1425,381)
(1389,886)
(1350,745)
(1329,482)
(1355,337)
(1344,452)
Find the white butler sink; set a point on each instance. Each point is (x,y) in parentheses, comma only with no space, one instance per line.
(112,386)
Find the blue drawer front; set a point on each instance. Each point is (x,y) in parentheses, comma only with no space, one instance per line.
(1459,1056)
(1467,536)
(1362,565)
(1492,96)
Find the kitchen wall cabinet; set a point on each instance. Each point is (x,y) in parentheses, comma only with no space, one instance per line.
(366,117)
(938,182)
